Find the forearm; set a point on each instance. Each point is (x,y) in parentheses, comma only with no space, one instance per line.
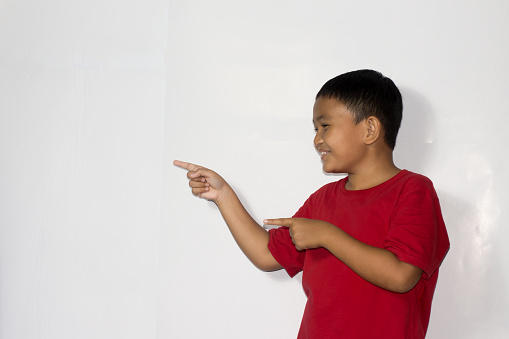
(249,235)
(376,265)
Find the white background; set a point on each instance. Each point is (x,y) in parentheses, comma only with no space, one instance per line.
(99,234)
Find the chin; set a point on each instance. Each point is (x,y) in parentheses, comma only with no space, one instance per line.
(329,170)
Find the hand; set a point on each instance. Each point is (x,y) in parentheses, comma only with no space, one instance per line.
(204,183)
(305,233)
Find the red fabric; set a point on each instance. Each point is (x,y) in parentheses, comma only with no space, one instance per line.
(401,215)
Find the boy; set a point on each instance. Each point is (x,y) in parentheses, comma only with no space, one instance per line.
(369,245)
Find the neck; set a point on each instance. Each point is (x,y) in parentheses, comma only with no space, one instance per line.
(372,175)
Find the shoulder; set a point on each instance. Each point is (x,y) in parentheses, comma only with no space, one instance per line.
(415,189)
(330,188)
(412,181)
(324,194)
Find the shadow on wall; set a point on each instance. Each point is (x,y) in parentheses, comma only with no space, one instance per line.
(472,288)
(279,275)
(418,122)
(415,147)
(471,281)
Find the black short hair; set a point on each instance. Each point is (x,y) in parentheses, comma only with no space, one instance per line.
(368,93)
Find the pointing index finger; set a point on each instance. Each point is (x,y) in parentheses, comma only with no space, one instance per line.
(278,222)
(185,165)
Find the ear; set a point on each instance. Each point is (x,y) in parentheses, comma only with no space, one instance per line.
(373,130)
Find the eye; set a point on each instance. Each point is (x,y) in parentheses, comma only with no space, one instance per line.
(323,126)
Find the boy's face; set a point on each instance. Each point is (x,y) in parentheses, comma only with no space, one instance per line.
(338,140)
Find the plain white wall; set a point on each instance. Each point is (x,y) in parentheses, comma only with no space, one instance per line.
(241,82)
(97,98)
(82,97)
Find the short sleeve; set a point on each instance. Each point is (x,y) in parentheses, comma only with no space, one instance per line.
(417,233)
(283,249)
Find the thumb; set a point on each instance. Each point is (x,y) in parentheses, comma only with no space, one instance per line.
(199,172)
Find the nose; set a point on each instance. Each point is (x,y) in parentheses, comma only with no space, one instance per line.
(318,140)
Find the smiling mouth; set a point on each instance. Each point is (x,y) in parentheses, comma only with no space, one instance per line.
(323,154)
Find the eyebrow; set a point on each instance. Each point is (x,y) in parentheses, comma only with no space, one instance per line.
(321,117)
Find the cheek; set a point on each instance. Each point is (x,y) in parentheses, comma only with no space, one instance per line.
(332,138)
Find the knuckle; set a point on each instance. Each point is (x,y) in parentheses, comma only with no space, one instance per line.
(197,191)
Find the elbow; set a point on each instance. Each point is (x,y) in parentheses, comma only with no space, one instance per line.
(269,269)
(405,282)
(403,287)
(267,264)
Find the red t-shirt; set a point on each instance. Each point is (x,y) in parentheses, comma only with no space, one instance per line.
(401,215)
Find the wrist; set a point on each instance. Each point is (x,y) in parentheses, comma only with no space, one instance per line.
(328,234)
(225,197)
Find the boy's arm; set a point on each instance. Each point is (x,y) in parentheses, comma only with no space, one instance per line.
(249,235)
(376,265)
